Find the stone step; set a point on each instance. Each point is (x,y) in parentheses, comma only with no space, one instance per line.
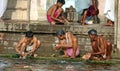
(14,31)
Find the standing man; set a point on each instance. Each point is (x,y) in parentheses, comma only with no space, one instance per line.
(69,44)
(27,45)
(101,48)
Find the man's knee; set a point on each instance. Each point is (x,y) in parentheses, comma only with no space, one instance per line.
(38,43)
(93,43)
(75,40)
(108,43)
(23,45)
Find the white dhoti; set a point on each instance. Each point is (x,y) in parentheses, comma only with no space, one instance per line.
(3,6)
(109,9)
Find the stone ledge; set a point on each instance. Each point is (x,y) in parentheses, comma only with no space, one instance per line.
(40,28)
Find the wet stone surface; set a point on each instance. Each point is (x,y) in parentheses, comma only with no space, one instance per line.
(54,65)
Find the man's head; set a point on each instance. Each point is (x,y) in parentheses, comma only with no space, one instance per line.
(60,34)
(92,33)
(29,35)
(60,2)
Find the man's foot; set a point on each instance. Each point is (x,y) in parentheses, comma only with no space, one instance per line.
(110,23)
(73,57)
(35,55)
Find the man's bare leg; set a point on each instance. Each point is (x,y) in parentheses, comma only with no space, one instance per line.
(75,46)
(83,17)
(34,54)
(94,46)
(65,54)
(108,51)
(22,50)
(95,49)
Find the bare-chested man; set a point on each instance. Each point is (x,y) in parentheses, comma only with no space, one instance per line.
(69,43)
(101,48)
(27,45)
(55,13)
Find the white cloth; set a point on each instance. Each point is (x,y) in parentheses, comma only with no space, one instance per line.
(109,9)
(29,48)
(3,6)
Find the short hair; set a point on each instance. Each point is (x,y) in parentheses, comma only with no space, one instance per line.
(60,32)
(29,34)
(92,32)
(61,1)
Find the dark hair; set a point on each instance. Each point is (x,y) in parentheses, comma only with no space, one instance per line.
(92,32)
(61,1)
(60,32)
(29,34)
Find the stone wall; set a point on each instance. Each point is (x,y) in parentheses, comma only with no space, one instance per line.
(46,34)
(19,9)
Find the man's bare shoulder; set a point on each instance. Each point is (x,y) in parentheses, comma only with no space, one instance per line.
(69,33)
(23,39)
(54,6)
(35,38)
(101,37)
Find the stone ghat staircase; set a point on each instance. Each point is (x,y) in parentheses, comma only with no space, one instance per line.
(46,34)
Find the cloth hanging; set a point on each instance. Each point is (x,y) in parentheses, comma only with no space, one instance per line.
(3,6)
(109,9)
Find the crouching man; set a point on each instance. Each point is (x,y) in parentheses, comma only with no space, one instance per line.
(27,45)
(101,48)
(69,44)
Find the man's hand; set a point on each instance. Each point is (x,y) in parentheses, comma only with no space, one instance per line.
(58,46)
(62,21)
(26,54)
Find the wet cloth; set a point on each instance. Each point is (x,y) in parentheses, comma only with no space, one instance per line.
(55,15)
(109,9)
(29,48)
(70,50)
(80,5)
(3,6)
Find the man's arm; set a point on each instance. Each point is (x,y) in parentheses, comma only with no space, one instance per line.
(69,44)
(101,47)
(18,45)
(63,17)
